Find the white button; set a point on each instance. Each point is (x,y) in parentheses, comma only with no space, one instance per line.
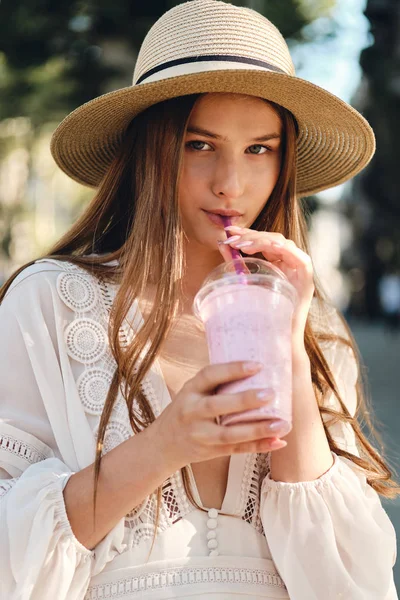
(211,535)
(214,553)
(212,544)
(212,523)
(213,513)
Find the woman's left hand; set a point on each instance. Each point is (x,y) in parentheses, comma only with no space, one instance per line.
(283,253)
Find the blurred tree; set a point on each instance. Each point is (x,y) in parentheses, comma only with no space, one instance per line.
(56,55)
(379,227)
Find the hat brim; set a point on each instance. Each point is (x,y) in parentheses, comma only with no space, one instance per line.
(335,142)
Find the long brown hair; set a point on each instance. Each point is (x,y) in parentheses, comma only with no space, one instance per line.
(134,218)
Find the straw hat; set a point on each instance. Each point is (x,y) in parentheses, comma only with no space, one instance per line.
(211,46)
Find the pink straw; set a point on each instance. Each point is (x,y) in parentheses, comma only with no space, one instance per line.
(240,268)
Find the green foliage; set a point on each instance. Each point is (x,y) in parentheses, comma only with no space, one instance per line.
(290,16)
(41,92)
(52,56)
(9,215)
(314,9)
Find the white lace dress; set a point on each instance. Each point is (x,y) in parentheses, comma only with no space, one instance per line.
(319,540)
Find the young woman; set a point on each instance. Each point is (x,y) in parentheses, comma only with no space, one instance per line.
(117,480)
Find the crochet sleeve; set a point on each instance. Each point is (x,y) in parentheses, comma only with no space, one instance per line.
(41,559)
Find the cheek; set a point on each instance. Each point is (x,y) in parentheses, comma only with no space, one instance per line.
(195,170)
(193,179)
(264,177)
(186,193)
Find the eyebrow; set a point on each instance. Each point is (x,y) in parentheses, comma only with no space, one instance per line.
(216,136)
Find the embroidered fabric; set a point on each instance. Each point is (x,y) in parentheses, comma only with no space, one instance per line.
(6,485)
(179,576)
(254,476)
(86,339)
(27,452)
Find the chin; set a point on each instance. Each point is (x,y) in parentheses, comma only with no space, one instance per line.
(207,240)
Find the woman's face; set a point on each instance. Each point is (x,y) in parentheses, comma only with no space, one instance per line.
(231,162)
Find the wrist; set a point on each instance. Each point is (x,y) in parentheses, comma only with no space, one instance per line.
(301,370)
(163,449)
(300,358)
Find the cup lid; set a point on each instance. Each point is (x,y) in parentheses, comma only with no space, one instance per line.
(253,265)
(255,271)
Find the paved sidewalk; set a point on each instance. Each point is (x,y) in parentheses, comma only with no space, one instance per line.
(381,354)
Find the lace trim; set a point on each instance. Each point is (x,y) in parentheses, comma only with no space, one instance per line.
(6,485)
(86,340)
(178,576)
(93,385)
(77,292)
(26,452)
(174,505)
(254,475)
(116,433)
(86,337)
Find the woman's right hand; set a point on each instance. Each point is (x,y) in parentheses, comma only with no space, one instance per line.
(187,429)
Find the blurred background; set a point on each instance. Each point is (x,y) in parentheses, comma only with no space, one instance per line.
(56,55)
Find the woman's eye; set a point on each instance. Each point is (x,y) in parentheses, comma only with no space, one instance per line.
(197,145)
(258,149)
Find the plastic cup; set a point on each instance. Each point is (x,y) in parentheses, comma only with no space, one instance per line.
(248,316)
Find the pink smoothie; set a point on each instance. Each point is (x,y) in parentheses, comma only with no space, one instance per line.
(253,322)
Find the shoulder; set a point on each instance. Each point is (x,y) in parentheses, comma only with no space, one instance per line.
(338,348)
(47,282)
(35,275)
(334,336)
(327,321)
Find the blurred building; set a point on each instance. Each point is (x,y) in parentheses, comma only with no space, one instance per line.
(375,206)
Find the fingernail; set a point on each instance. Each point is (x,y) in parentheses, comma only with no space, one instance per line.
(274,426)
(251,366)
(265,395)
(278,244)
(277,443)
(233,228)
(220,242)
(234,238)
(244,244)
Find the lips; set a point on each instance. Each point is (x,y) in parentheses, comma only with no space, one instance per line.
(226,212)
(216,217)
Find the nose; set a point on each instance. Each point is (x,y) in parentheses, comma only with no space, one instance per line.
(227,180)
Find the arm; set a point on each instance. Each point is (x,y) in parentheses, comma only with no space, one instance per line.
(122,479)
(47,447)
(39,550)
(307,454)
(329,534)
